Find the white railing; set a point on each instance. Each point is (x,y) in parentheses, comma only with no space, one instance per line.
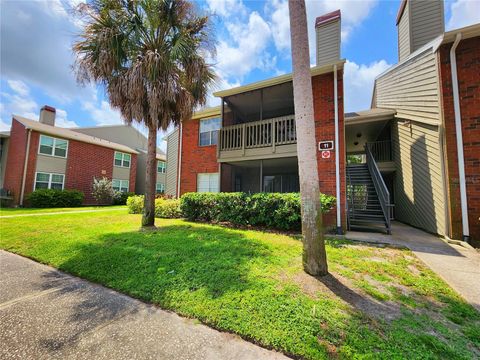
(257,134)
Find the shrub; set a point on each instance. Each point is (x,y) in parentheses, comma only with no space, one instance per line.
(102,191)
(49,198)
(167,208)
(135,204)
(120,197)
(274,210)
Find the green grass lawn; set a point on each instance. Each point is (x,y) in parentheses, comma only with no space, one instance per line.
(377,303)
(5,211)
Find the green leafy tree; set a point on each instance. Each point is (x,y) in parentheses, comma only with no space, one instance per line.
(150,56)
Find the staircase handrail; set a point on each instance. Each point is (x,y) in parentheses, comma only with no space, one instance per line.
(380,187)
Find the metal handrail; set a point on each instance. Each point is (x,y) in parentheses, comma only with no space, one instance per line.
(380,187)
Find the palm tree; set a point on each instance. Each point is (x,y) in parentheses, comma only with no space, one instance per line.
(150,57)
(314,256)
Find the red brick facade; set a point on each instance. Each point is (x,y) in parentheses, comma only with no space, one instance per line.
(195,159)
(468,65)
(84,162)
(324,114)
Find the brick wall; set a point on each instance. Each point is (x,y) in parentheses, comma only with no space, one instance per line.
(468,64)
(324,108)
(195,159)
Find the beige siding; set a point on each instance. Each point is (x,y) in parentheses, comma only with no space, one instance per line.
(419,190)
(121,173)
(160,178)
(427,21)
(51,164)
(328,43)
(172,164)
(411,89)
(404,43)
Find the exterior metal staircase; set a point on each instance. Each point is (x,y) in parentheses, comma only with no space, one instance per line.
(368,199)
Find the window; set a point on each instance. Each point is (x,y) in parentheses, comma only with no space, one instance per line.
(49,181)
(160,188)
(122,159)
(120,185)
(209,131)
(53,146)
(208,182)
(161,166)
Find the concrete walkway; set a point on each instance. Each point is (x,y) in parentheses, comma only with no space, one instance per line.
(60,213)
(457,265)
(47,314)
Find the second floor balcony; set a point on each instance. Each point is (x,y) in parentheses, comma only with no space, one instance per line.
(269,138)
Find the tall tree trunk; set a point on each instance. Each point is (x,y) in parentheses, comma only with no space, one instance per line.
(314,256)
(148,218)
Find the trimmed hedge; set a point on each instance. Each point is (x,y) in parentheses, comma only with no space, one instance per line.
(164,208)
(273,210)
(49,198)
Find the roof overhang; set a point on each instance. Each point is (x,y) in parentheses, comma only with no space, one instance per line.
(207,112)
(368,116)
(316,70)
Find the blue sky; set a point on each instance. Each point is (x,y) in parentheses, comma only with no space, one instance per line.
(253,44)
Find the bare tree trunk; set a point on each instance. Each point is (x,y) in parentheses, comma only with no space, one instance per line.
(148,218)
(314,256)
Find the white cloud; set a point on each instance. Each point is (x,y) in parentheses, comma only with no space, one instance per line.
(19,87)
(464,13)
(62,121)
(103,115)
(227,8)
(354,12)
(358,83)
(4,126)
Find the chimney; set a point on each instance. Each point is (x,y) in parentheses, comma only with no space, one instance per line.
(418,22)
(47,115)
(327,28)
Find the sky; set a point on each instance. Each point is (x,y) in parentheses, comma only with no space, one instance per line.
(253,43)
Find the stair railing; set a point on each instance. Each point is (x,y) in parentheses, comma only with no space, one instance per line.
(380,187)
(350,200)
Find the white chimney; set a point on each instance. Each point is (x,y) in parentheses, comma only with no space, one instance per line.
(47,115)
(327,29)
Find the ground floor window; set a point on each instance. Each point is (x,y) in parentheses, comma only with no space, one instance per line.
(208,182)
(160,188)
(49,181)
(284,183)
(120,185)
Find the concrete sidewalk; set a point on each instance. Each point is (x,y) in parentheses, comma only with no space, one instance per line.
(47,314)
(457,265)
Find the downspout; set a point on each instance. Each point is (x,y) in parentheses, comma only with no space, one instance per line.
(179,170)
(337,153)
(24,176)
(458,130)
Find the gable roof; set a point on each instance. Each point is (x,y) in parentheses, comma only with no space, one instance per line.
(71,135)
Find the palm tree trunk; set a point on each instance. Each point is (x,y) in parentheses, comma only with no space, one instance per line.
(314,256)
(148,218)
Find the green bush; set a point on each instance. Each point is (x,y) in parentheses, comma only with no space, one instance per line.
(135,204)
(273,210)
(167,208)
(49,198)
(120,197)
(164,208)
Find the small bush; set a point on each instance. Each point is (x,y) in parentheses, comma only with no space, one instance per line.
(49,198)
(120,197)
(273,210)
(167,208)
(102,191)
(135,204)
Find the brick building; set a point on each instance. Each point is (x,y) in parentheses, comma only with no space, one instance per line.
(41,155)
(398,160)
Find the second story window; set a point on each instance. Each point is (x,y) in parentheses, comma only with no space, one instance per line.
(52,146)
(122,159)
(161,167)
(209,131)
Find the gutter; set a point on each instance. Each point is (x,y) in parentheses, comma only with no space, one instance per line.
(24,175)
(179,170)
(458,131)
(337,152)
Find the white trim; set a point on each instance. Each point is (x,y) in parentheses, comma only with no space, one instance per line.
(337,152)
(49,179)
(53,148)
(179,165)
(164,167)
(123,155)
(458,131)
(120,185)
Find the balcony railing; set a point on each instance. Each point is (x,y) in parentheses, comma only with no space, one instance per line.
(381,150)
(258,134)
